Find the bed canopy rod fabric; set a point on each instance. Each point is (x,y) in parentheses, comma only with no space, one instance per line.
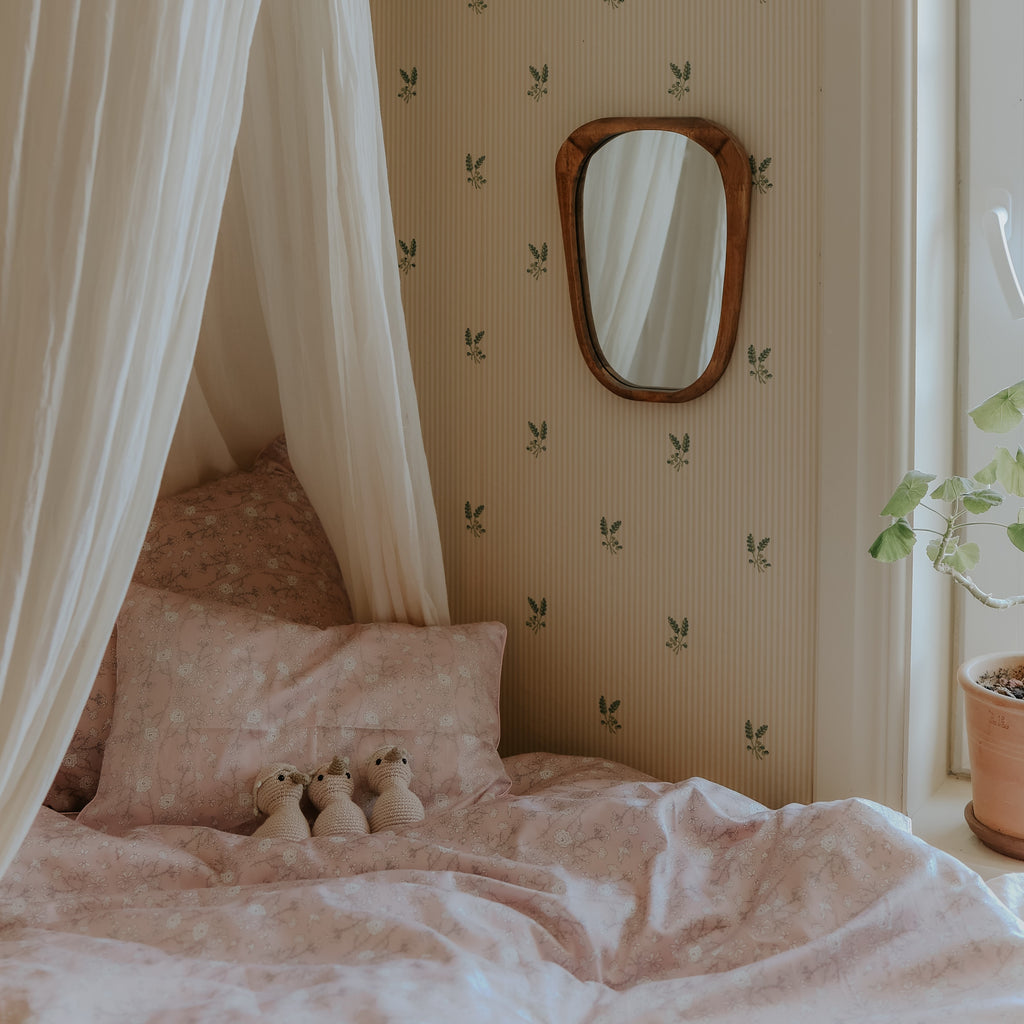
(118,126)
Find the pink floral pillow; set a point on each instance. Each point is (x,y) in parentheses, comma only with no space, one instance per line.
(207,693)
(250,539)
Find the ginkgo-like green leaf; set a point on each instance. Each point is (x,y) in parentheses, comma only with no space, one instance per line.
(1010,470)
(952,488)
(1003,411)
(981,499)
(1015,531)
(987,474)
(907,496)
(964,558)
(894,542)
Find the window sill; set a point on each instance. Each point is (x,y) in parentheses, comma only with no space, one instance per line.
(940,822)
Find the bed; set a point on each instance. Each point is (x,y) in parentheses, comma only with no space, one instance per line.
(537,887)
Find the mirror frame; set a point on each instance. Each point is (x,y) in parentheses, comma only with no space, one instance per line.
(570,174)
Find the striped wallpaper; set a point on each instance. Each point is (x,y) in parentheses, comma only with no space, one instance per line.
(657,642)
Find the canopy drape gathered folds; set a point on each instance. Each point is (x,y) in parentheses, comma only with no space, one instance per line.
(311,156)
(118,124)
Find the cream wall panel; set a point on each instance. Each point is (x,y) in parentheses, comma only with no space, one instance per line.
(752,456)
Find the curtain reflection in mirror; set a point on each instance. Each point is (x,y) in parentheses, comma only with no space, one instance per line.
(654,224)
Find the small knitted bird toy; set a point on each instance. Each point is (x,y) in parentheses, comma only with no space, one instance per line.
(389,773)
(277,793)
(330,789)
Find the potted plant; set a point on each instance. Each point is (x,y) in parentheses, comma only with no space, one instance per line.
(992,684)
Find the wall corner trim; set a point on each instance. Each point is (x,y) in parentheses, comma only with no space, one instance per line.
(866,396)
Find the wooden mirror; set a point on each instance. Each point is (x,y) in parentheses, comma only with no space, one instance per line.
(655,212)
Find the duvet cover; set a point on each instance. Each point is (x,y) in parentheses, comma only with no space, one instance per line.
(586,893)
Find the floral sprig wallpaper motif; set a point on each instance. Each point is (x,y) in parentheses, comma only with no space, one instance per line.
(759,179)
(680,630)
(538,265)
(473,523)
(611,542)
(755,740)
(410,78)
(608,719)
(757,558)
(473,350)
(475,175)
(759,364)
(539,89)
(681,448)
(540,434)
(681,85)
(405,261)
(539,609)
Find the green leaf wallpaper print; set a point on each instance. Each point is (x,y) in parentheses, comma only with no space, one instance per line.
(538,265)
(681,448)
(539,89)
(755,740)
(475,175)
(681,85)
(536,622)
(614,4)
(473,524)
(757,558)
(540,435)
(758,364)
(473,349)
(680,630)
(408,90)
(608,719)
(757,174)
(477,6)
(405,261)
(611,542)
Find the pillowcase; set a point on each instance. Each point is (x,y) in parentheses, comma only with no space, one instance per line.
(250,539)
(207,694)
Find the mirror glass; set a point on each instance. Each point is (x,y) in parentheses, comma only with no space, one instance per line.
(654,215)
(654,229)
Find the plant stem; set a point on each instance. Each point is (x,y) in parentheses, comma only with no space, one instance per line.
(937,562)
(974,590)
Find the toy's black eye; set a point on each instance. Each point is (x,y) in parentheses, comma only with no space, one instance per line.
(378,760)
(404,761)
(319,778)
(348,775)
(280,778)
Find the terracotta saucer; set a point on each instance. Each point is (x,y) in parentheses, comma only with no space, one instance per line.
(1008,846)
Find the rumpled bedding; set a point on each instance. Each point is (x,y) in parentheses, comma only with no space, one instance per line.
(589,893)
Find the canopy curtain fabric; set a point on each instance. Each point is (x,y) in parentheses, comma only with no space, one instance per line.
(117,124)
(311,156)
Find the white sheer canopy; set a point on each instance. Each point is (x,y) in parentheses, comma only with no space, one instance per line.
(118,123)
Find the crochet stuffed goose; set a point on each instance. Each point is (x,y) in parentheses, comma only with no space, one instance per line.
(277,793)
(330,789)
(389,773)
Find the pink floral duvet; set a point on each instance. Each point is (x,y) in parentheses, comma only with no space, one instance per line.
(589,894)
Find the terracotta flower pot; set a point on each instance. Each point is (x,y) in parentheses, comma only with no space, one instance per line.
(995,739)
